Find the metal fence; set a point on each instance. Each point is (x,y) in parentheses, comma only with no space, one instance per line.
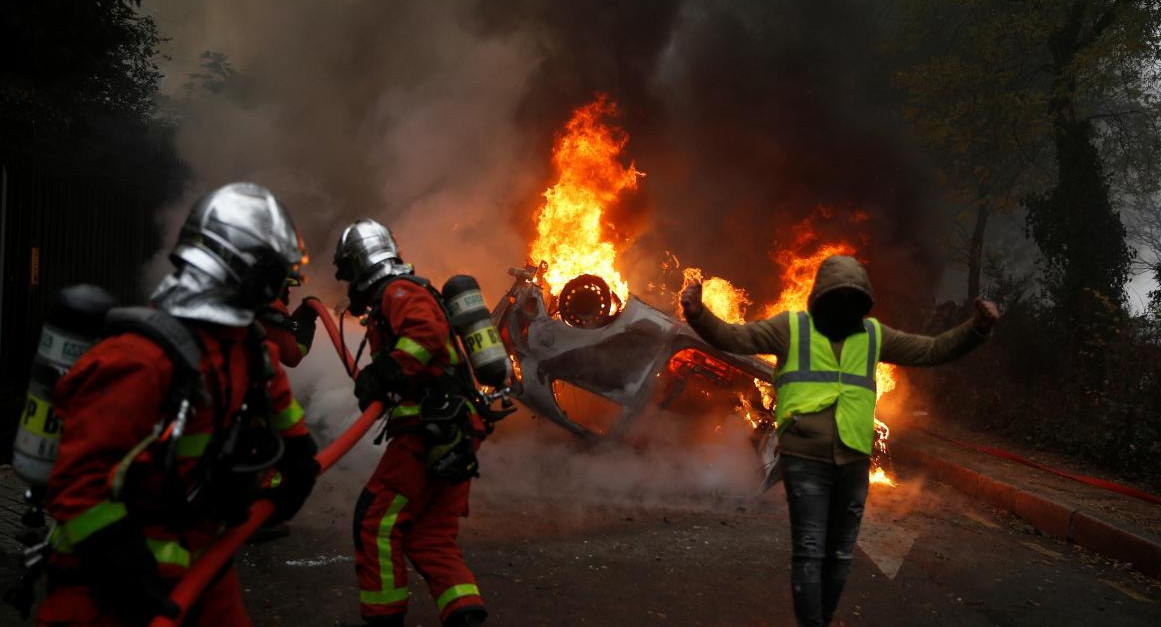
(64,221)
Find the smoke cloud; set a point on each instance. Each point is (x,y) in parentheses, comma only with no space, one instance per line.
(437,118)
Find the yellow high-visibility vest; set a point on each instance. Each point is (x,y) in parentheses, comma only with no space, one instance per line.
(812,379)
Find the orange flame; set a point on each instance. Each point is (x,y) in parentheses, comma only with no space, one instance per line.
(798,276)
(719,296)
(745,407)
(572,234)
(575,238)
(880,476)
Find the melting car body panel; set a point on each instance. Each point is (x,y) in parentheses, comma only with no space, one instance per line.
(620,357)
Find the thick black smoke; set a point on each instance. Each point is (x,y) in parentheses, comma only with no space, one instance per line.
(438,118)
(779,109)
(747,117)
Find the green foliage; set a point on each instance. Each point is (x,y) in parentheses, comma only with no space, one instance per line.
(976,95)
(62,61)
(1052,106)
(1081,236)
(1030,104)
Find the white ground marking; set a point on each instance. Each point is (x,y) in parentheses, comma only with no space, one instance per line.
(886,541)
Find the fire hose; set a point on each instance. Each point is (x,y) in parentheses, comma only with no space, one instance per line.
(195,580)
(334,333)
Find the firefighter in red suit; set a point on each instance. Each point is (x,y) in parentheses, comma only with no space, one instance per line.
(405,510)
(130,518)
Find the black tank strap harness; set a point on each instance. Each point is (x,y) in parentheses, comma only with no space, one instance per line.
(188,389)
(456,380)
(446,403)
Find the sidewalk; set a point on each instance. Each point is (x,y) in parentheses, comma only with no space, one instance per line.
(1120,527)
(11,508)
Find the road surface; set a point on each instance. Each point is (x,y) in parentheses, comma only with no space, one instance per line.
(927,556)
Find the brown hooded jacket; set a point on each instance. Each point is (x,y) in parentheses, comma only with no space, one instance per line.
(815,436)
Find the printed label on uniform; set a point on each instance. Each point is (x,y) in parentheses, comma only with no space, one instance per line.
(468,300)
(61,349)
(73,350)
(477,341)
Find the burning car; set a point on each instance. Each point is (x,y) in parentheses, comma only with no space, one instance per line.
(630,354)
(573,328)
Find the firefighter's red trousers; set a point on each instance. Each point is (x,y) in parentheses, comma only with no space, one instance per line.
(404,513)
(71,606)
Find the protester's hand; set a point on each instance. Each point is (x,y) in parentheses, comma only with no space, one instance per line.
(986,315)
(691,301)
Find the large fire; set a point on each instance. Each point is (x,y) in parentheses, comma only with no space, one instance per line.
(574,238)
(572,233)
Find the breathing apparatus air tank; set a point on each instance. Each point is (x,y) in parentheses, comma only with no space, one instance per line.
(72,326)
(471,321)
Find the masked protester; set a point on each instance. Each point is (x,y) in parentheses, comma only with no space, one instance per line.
(412,503)
(162,449)
(825,391)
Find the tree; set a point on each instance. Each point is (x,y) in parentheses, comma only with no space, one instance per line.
(62,61)
(1145,232)
(1027,103)
(976,100)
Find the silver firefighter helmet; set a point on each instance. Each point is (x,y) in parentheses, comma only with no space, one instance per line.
(236,252)
(366,253)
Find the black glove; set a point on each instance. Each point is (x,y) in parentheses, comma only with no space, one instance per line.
(297,473)
(304,319)
(123,574)
(377,380)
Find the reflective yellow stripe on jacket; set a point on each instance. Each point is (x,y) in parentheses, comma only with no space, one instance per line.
(413,348)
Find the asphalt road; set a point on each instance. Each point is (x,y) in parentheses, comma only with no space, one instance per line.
(927,556)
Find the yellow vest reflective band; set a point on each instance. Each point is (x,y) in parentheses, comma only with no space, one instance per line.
(812,379)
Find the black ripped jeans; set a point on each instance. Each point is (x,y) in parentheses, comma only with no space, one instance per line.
(826,507)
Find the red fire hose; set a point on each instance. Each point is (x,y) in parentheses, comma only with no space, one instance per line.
(191,586)
(333,332)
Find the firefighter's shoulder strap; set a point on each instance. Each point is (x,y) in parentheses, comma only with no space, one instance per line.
(460,377)
(179,343)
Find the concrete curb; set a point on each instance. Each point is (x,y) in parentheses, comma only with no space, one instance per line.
(1084,528)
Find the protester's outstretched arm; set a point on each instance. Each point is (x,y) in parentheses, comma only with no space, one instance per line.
(909,349)
(762,337)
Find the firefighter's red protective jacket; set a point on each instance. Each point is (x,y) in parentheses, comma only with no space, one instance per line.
(109,403)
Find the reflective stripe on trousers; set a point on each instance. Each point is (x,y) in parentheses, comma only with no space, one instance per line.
(386,593)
